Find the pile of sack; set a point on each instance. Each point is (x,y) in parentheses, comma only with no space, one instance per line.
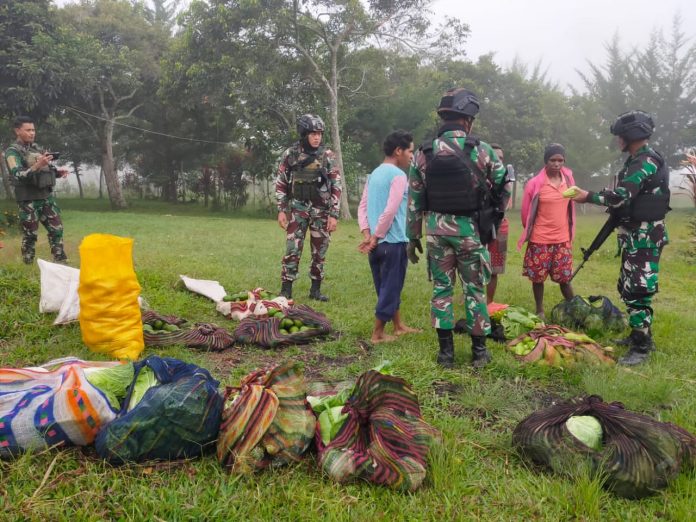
(158,408)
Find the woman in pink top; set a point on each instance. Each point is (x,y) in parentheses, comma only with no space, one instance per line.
(549,226)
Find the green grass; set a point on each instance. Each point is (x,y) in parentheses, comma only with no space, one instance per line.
(474,474)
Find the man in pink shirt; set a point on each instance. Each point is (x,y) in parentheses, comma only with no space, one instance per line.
(382,219)
(549,225)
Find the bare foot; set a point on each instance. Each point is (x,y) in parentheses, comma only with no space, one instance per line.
(402,330)
(384,338)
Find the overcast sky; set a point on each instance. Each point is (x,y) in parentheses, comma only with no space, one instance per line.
(563,34)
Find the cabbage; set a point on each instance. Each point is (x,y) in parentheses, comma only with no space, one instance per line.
(330,422)
(113,382)
(146,380)
(516,321)
(586,429)
(319,404)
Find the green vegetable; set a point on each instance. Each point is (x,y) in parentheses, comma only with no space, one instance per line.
(112,382)
(320,404)
(578,337)
(330,422)
(524,347)
(587,430)
(171,328)
(146,380)
(516,321)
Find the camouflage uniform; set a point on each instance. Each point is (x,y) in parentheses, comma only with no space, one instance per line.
(453,242)
(640,243)
(312,214)
(34,195)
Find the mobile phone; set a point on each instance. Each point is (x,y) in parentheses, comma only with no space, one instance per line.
(56,155)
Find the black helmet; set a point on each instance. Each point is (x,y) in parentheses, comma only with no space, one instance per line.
(309,123)
(459,101)
(633,126)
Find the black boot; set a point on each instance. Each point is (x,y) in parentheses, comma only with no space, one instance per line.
(315,291)
(627,341)
(480,357)
(640,348)
(445,357)
(286,289)
(28,255)
(60,257)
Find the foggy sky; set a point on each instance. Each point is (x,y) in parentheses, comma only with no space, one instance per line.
(563,34)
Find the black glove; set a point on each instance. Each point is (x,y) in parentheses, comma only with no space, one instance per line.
(413,245)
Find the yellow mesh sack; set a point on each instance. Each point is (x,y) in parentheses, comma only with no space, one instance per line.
(109,311)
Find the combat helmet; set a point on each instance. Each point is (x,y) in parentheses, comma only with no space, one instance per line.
(633,126)
(459,101)
(309,123)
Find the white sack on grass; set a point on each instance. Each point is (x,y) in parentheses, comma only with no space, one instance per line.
(210,289)
(55,282)
(70,308)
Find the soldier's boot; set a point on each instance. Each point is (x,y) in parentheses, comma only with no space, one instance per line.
(480,356)
(627,341)
(59,256)
(445,356)
(28,255)
(315,291)
(640,348)
(286,289)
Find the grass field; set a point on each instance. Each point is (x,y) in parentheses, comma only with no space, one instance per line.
(474,474)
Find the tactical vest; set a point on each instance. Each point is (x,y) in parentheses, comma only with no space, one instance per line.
(647,206)
(37,185)
(308,175)
(454,183)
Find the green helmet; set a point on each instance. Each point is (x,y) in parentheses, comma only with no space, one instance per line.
(459,101)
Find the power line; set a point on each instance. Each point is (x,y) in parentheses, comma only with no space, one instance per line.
(144,130)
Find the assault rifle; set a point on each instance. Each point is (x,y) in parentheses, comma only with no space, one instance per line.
(612,222)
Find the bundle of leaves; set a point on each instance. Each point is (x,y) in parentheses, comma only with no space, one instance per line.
(267,332)
(171,411)
(637,456)
(516,320)
(165,330)
(557,346)
(383,440)
(268,421)
(594,315)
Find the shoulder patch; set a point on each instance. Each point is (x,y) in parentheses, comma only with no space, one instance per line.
(11,161)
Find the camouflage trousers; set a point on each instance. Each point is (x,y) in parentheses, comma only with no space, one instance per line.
(46,212)
(638,283)
(316,221)
(466,256)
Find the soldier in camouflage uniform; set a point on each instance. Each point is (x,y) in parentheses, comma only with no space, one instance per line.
(451,181)
(641,201)
(33,178)
(308,191)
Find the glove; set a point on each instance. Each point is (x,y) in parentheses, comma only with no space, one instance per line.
(413,245)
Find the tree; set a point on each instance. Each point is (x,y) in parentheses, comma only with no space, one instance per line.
(113,51)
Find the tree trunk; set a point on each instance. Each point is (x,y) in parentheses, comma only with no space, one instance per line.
(101,182)
(76,169)
(113,187)
(336,138)
(9,192)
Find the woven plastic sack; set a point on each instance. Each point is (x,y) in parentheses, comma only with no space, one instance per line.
(205,336)
(49,405)
(178,418)
(384,440)
(639,455)
(268,422)
(109,290)
(265,331)
(594,315)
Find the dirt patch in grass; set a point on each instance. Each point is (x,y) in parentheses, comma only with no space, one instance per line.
(316,364)
(446,388)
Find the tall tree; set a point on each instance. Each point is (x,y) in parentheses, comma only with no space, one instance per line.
(114,54)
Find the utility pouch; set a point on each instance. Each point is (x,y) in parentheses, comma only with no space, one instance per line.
(486,220)
(44,179)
